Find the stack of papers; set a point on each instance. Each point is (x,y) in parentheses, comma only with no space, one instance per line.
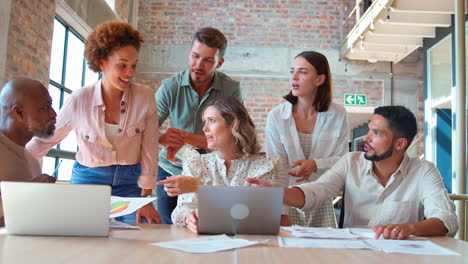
(369,233)
(318,232)
(207,244)
(364,232)
(306,237)
(322,243)
(121,225)
(387,246)
(410,247)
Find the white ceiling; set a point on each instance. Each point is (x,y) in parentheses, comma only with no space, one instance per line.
(390,30)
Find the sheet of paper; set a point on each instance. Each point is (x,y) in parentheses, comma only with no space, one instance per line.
(363,232)
(368,233)
(322,243)
(410,247)
(127,205)
(206,244)
(122,225)
(317,232)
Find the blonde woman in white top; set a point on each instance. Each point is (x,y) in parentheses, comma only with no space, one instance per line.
(231,136)
(309,132)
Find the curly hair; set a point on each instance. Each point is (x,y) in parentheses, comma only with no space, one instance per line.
(234,111)
(106,38)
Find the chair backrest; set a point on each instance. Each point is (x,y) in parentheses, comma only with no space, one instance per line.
(461,201)
(342,210)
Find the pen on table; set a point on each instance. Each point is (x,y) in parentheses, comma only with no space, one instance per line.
(56,169)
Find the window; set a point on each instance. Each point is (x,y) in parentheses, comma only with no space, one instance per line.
(68,72)
(439,84)
(111,4)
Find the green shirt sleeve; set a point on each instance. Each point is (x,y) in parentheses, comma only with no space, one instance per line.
(163,101)
(238,94)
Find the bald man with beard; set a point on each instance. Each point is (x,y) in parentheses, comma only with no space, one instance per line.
(25,111)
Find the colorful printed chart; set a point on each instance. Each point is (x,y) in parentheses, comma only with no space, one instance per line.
(126,205)
(118,207)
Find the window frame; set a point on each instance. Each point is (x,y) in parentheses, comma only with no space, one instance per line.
(56,152)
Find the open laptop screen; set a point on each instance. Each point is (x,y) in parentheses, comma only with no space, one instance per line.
(239,210)
(56,209)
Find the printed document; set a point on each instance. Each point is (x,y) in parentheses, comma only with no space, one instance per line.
(369,233)
(322,243)
(320,232)
(207,244)
(121,225)
(410,247)
(127,205)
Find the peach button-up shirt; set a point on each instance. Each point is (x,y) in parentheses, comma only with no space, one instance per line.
(137,140)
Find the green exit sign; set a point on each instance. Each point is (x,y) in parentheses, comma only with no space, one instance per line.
(355,99)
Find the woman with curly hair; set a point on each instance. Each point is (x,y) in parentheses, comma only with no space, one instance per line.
(230,135)
(115,121)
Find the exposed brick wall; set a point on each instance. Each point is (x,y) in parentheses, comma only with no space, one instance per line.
(30,39)
(153,84)
(292,24)
(372,88)
(260,96)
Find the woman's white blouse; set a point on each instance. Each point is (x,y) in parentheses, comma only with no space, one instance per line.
(211,170)
(329,139)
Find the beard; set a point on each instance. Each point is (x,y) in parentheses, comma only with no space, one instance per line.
(205,76)
(380,157)
(45,131)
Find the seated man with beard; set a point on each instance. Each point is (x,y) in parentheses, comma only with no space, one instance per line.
(25,111)
(395,195)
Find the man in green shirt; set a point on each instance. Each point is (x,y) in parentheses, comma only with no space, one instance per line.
(182,98)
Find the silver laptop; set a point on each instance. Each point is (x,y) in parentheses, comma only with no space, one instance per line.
(56,209)
(239,210)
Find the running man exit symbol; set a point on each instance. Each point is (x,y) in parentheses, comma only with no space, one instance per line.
(355,99)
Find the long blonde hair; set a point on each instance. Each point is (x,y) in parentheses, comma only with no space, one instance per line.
(243,129)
